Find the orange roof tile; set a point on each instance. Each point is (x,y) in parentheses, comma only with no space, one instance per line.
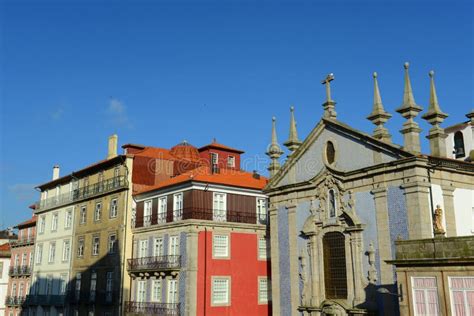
(202,174)
(156,152)
(220,146)
(5,247)
(28,222)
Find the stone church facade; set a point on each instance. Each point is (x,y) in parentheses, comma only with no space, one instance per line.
(343,198)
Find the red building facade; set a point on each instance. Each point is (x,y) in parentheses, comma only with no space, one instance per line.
(21,264)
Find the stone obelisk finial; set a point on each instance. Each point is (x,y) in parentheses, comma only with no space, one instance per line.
(435,117)
(409,110)
(293,142)
(274,151)
(378,115)
(329,105)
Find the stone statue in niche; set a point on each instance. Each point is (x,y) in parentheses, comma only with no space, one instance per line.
(304,277)
(438,221)
(372,273)
(332,203)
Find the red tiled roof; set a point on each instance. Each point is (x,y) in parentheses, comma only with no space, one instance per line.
(29,222)
(202,174)
(5,247)
(155,152)
(220,146)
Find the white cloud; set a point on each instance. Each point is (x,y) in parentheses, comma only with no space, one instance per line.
(57,114)
(117,113)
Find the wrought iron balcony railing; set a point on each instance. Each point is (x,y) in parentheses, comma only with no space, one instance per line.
(14,300)
(22,241)
(91,190)
(200,214)
(146,308)
(45,300)
(157,263)
(19,270)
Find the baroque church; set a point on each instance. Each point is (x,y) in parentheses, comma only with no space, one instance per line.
(343,199)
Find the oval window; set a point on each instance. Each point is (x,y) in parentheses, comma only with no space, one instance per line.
(330,152)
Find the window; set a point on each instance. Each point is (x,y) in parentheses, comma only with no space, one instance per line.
(158,247)
(214,158)
(220,246)
(17,261)
(113,208)
(219,210)
(21,290)
(459,151)
(141,291)
(425,296)
(95,245)
(263,248)
(109,286)
(62,284)
(39,253)
(261,211)
(77,293)
(13,293)
(66,250)
(147,213)
(52,252)
(156,294)
(334,254)
(24,259)
(83,214)
(68,219)
(98,211)
(143,248)
(462,295)
(172,291)
(332,203)
(30,261)
(93,286)
(42,224)
(174,246)
(264,290)
(112,243)
(54,222)
(220,291)
(162,209)
(49,285)
(330,152)
(177,206)
(80,247)
(231,161)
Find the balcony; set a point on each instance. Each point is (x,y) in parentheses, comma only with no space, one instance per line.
(19,271)
(200,214)
(145,308)
(154,264)
(22,242)
(89,191)
(14,300)
(45,300)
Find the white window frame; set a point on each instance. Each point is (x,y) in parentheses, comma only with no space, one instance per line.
(231,161)
(147,211)
(109,286)
(220,251)
(97,211)
(162,209)
(262,215)
(172,291)
(80,247)
(52,252)
(54,222)
(425,292)
(66,250)
(214,158)
(173,245)
(464,290)
(219,206)
(93,286)
(39,253)
(223,280)
(112,243)
(263,244)
(158,246)
(68,219)
(143,248)
(42,224)
(177,206)
(141,291)
(83,215)
(77,286)
(113,208)
(157,290)
(63,279)
(264,290)
(95,246)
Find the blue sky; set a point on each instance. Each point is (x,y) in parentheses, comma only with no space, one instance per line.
(74,72)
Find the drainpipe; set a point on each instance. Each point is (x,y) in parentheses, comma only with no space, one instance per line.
(205,270)
(122,263)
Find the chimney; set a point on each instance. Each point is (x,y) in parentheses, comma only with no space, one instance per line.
(56,172)
(113,143)
(255,175)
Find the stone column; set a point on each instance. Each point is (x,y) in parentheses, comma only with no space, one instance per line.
(192,268)
(383,234)
(273,214)
(418,210)
(448,198)
(315,276)
(356,240)
(293,251)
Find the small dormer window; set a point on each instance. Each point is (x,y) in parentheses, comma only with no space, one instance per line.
(214,158)
(459,145)
(231,161)
(330,152)
(332,203)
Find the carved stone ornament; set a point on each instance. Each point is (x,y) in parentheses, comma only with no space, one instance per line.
(372,273)
(304,278)
(438,221)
